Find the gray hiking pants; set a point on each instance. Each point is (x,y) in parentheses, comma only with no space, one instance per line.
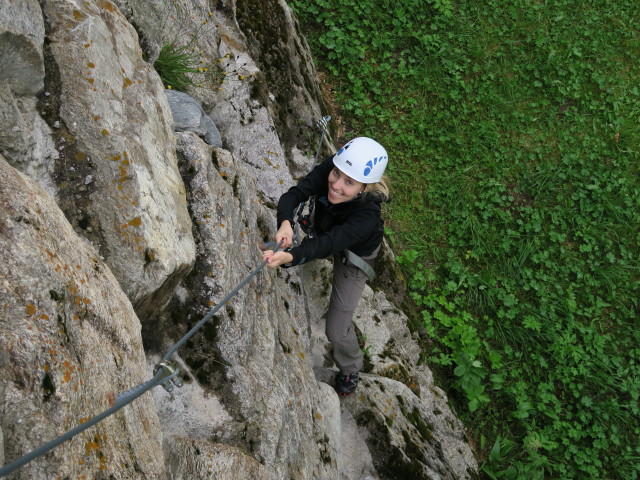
(348,284)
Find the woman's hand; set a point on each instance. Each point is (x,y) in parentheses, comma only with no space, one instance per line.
(275,259)
(285,233)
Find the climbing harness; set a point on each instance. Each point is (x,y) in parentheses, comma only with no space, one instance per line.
(305,222)
(360,263)
(165,373)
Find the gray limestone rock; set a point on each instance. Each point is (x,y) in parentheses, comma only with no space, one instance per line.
(162,22)
(188,116)
(249,130)
(14,133)
(188,458)
(21,39)
(294,98)
(25,139)
(117,129)
(70,343)
(189,411)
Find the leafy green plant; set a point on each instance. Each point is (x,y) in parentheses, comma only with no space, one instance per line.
(471,374)
(366,349)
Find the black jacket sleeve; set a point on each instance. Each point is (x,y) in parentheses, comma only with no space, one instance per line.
(315,183)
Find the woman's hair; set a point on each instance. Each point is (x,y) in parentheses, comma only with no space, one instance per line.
(381,189)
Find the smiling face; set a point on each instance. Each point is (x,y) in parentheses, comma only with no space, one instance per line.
(342,187)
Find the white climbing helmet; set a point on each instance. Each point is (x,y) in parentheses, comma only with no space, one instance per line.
(363,159)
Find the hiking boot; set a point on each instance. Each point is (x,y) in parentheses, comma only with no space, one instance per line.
(346,384)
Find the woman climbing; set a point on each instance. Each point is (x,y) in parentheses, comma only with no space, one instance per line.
(348,188)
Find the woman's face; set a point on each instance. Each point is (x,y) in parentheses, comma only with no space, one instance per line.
(343,188)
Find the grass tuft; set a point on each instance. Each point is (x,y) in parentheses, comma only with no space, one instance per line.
(175,63)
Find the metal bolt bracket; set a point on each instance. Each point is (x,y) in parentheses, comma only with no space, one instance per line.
(322,123)
(168,369)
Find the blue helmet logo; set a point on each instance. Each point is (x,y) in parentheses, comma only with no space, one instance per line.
(370,164)
(344,148)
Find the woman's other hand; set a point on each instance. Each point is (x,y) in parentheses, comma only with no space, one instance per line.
(285,233)
(275,259)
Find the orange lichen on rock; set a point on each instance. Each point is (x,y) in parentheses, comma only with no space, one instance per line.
(107,5)
(136,222)
(91,446)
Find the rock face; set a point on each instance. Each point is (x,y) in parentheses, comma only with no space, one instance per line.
(120,234)
(118,144)
(25,138)
(70,343)
(21,41)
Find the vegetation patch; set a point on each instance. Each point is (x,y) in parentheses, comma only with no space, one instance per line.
(513,132)
(175,63)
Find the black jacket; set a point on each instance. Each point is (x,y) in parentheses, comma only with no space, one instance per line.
(354,225)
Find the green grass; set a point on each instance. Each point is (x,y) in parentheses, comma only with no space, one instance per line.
(514,135)
(175,63)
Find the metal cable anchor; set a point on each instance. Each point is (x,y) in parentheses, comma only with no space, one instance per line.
(323,122)
(168,369)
